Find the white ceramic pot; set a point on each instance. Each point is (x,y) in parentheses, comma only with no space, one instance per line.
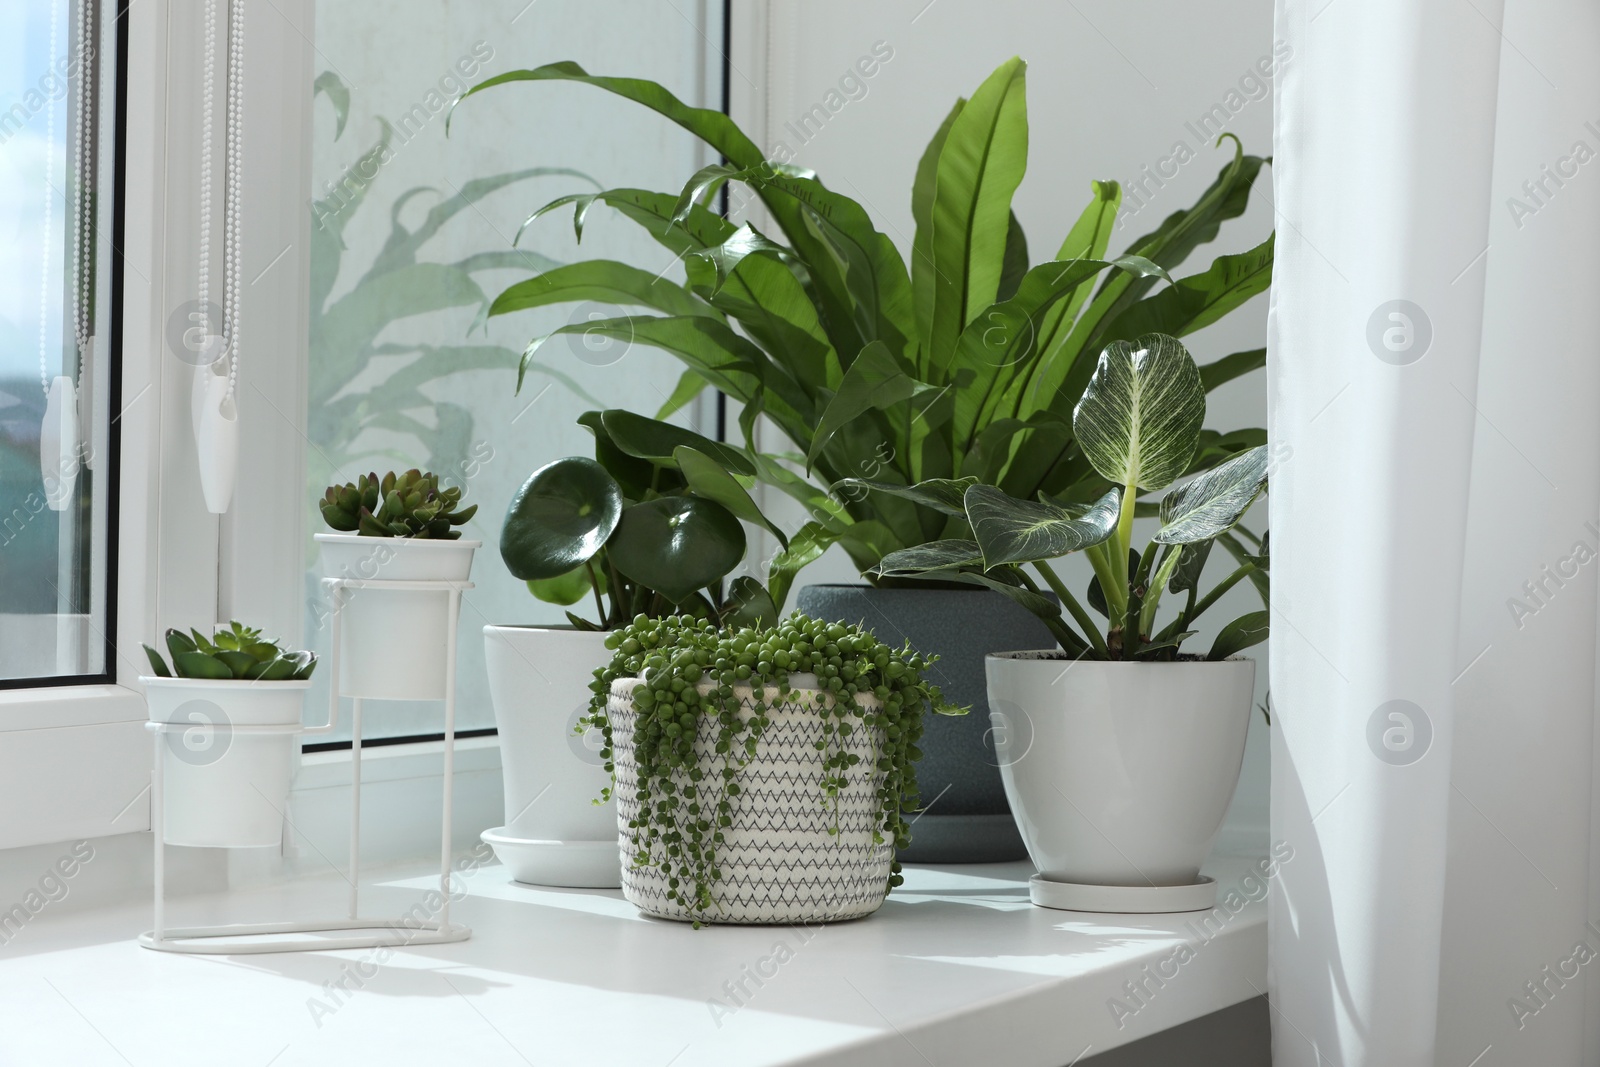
(1119,774)
(225,787)
(788,857)
(395,640)
(554,833)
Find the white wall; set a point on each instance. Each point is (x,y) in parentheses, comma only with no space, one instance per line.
(1112,89)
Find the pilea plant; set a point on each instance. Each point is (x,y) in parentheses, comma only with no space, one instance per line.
(650,526)
(683,808)
(233,651)
(1139,425)
(398,505)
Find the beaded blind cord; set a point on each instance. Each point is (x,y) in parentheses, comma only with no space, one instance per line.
(82,320)
(231,243)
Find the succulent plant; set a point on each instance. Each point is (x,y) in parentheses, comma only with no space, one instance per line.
(233,651)
(398,505)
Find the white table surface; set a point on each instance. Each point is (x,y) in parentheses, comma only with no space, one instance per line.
(957,968)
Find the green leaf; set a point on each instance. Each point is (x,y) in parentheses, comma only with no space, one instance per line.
(1190,566)
(659,441)
(1201,509)
(1218,448)
(876,380)
(980,166)
(157,664)
(1003,339)
(690,385)
(1037,603)
(277,669)
(1088,239)
(1228,368)
(741,243)
(806,546)
(923,268)
(1139,419)
(179,642)
(1197,301)
(676,545)
(1015,263)
(1022,531)
(638,478)
(1240,634)
(338,94)
(304,664)
(603,281)
(560,518)
(929,558)
(563,590)
(1172,641)
(766,298)
(200,665)
(941,494)
(1152,596)
(748,605)
(703,344)
(710,479)
(839,230)
(721,133)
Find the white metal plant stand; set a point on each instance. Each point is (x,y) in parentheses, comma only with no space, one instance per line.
(352,931)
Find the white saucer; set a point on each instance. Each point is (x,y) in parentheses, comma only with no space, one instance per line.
(568,864)
(1122,899)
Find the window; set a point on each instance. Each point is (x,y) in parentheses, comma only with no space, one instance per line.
(59,288)
(412,232)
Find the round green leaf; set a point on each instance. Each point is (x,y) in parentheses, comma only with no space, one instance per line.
(1139,420)
(564,589)
(560,517)
(676,544)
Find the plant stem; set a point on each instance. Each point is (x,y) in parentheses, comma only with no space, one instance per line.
(1124,537)
(1070,641)
(1085,620)
(621,603)
(1101,562)
(594,586)
(1131,628)
(1222,587)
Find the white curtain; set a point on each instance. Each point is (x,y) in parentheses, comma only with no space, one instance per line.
(1435,402)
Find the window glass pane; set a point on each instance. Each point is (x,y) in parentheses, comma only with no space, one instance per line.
(57,180)
(412,232)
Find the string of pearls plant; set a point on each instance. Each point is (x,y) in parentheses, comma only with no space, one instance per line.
(683,809)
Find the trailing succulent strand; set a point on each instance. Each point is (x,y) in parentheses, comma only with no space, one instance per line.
(684,810)
(398,505)
(234,651)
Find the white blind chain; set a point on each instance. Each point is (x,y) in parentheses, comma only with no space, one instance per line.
(83,246)
(232,237)
(49,214)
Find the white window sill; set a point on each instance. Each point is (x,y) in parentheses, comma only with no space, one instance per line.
(957,968)
(62,706)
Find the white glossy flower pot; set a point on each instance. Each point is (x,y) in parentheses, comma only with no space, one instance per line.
(788,857)
(555,833)
(226,787)
(1119,774)
(395,640)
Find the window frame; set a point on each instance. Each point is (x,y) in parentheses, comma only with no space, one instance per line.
(107,675)
(74,755)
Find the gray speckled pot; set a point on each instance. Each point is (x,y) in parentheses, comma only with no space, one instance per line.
(967,819)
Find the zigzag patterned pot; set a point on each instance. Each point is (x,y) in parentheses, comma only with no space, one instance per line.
(779,862)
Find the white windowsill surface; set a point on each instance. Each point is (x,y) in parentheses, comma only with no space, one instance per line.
(957,968)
